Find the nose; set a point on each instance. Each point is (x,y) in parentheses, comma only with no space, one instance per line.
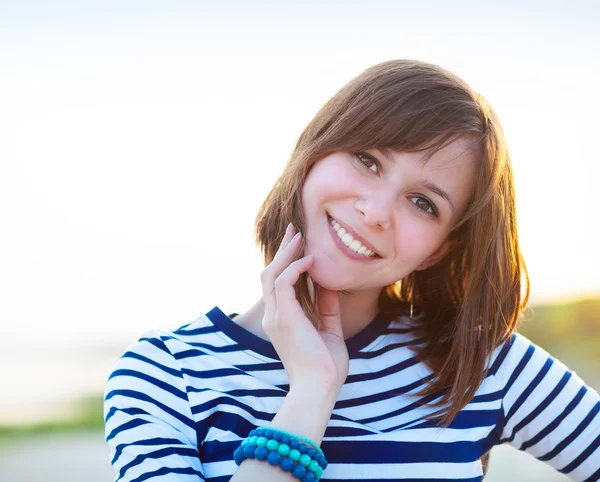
(376,209)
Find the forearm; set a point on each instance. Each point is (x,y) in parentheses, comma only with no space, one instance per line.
(303,412)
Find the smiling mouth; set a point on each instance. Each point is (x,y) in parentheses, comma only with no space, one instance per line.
(348,240)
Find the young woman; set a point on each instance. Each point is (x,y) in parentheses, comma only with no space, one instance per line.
(384,345)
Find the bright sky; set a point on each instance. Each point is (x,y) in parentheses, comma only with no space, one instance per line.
(139,139)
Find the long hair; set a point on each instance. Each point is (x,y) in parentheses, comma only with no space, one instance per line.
(472,299)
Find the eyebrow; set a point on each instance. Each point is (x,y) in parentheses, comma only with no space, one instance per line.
(426,184)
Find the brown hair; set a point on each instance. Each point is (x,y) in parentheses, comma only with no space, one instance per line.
(472,299)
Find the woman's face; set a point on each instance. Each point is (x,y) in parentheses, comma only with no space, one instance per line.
(391,203)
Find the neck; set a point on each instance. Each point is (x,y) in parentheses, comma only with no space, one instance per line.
(358,309)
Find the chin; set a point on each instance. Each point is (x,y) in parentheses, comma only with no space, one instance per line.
(329,276)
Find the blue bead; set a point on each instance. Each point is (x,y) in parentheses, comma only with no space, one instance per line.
(261,453)
(323,463)
(309,477)
(269,433)
(286,439)
(260,432)
(302,448)
(311,453)
(299,471)
(318,457)
(277,436)
(238,456)
(252,432)
(287,464)
(274,458)
(249,451)
(294,444)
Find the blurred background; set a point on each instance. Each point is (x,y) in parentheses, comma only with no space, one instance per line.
(138,140)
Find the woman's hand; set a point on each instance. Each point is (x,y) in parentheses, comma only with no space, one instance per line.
(312,358)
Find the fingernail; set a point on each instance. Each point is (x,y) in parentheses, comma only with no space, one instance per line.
(296,236)
(288,229)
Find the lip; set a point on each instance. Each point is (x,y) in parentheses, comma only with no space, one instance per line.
(345,249)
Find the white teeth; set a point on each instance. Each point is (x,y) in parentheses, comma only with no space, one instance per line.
(349,241)
(355,245)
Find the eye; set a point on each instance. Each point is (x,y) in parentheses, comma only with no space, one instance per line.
(425,205)
(368,161)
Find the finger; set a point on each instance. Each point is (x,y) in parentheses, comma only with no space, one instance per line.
(330,315)
(290,231)
(282,260)
(285,294)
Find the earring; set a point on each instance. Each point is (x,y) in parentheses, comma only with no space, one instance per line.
(411,309)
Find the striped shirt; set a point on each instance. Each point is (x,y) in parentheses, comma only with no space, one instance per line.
(178,404)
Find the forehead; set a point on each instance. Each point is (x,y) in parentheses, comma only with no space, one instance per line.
(459,154)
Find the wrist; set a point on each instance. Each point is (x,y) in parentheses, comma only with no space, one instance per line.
(306,412)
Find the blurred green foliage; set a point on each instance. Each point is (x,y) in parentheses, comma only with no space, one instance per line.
(89,416)
(570,332)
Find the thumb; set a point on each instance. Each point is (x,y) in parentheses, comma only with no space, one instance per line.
(330,316)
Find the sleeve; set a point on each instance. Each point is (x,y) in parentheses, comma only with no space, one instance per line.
(149,426)
(548,410)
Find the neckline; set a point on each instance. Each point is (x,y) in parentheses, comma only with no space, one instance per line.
(252,342)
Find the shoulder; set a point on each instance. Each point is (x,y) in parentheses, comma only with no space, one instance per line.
(519,361)
(158,360)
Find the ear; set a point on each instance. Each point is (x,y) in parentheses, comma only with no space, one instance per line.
(437,256)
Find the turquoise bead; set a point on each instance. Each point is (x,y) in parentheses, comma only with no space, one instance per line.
(283,449)
(313,466)
(272,445)
(253,440)
(261,442)
(295,455)
(305,460)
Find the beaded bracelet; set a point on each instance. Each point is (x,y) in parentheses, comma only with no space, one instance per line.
(292,453)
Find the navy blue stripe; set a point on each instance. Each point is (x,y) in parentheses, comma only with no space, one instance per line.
(582,457)
(145,442)
(261,367)
(539,409)
(367,355)
(142,396)
(519,368)
(376,397)
(488,397)
(211,404)
(216,373)
(243,392)
(501,355)
(169,370)
(167,387)
(167,470)
(157,342)
(362,377)
(191,353)
(466,419)
(126,426)
(557,421)
(530,388)
(400,411)
(595,477)
(128,411)
(158,454)
(580,428)
(196,331)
